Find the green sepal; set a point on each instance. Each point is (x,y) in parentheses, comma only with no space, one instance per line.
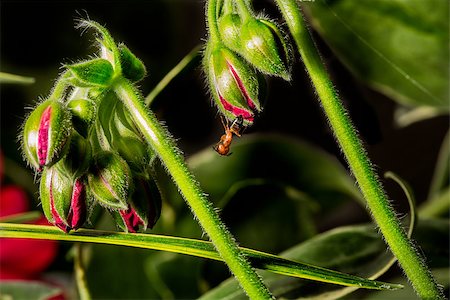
(109,180)
(132,67)
(59,129)
(83,114)
(97,72)
(230,31)
(263,45)
(108,46)
(126,139)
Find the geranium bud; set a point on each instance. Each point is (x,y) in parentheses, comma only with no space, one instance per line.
(233,83)
(127,140)
(77,158)
(46,133)
(83,114)
(230,30)
(110,180)
(63,198)
(263,45)
(144,208)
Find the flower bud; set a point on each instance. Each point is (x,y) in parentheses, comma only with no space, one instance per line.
(77,158)
(127,140)
(144,208)
(110,180)
(46,133)
(230,30)
(263,45)
(83,114)
(233,83)
(63,199)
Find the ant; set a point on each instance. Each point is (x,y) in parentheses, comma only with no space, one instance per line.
(223,146)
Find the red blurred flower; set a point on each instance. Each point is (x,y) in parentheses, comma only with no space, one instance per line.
(22,258)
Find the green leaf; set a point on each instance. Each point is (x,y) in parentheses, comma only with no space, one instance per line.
(398,47)
(132,67)
(97,72)
(191,247)
(15,79)
(26,290)
(352,249)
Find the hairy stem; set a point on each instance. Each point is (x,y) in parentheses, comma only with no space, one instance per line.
(161,142)
(410,260)
(211,13)
(172,74)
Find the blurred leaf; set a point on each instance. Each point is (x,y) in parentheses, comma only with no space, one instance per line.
(405,116)
(357,250)
(438,202)
(15,79)
(26,290)
(267,178)
(278,159)
(115,271)
(396,46)
(442,276)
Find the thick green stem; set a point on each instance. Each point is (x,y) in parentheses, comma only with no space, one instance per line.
(161,142)
(211,12)
(409,258)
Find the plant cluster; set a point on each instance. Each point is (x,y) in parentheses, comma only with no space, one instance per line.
(87,148)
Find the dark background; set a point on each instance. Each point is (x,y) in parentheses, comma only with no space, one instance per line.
(37,37)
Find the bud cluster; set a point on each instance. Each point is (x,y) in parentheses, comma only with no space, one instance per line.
(247,47)
(87,149)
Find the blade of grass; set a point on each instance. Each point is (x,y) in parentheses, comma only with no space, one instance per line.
(193,247)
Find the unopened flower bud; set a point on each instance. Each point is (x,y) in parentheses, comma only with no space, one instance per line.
(127,140)
(263,45)
(46,133)
(233,83)
(63,199)
(83,114)
(77,158)
(110,180)
(144,208)
(230,30)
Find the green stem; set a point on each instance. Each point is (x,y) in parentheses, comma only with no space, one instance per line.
(80,274)
(172,74)
(60,86)
(161,142)
(211,11)
(15,79)
(410,260)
